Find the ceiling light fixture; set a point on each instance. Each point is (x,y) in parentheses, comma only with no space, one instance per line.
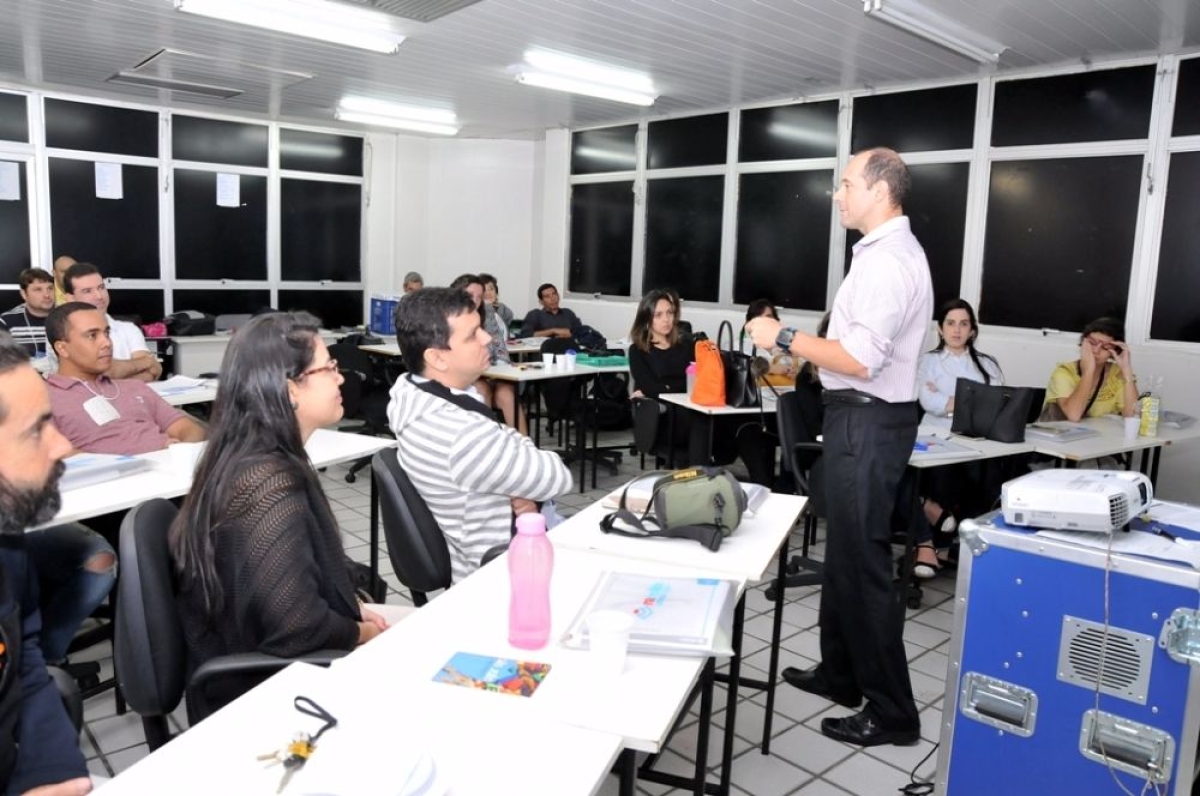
(560,72)
(314,19)
(911,16)
(377,113)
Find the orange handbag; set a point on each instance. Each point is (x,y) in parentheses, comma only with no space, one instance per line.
(709,389)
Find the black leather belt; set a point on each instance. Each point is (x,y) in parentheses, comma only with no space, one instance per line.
(850,397)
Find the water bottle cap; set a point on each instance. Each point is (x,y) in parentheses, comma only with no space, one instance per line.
(531,522)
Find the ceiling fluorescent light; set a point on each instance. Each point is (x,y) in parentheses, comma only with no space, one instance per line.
(373,107)
(588,71)
(914,18)
(559,83)
(314,19)
(375,120)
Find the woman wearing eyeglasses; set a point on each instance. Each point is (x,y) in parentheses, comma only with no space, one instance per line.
(259,555)
(1100,382)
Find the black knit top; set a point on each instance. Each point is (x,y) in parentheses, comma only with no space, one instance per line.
(280,561)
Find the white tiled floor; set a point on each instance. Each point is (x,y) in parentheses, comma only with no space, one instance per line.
(802,761)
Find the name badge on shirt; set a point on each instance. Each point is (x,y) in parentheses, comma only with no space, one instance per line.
(101,411)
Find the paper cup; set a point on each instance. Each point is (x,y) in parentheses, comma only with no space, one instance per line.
(608,641)
(569,361)
(1131,427)
(548,361)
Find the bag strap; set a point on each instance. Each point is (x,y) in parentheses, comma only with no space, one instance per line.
(721,336)
(1099,383)
(708,535)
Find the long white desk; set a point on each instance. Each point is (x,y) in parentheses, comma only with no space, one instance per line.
(170,479)
(203,353)
(384,726)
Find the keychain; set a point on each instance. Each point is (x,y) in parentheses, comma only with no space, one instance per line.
(295,754)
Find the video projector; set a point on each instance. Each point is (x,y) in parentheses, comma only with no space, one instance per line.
(1076,500)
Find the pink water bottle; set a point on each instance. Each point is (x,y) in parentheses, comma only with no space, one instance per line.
(530,563)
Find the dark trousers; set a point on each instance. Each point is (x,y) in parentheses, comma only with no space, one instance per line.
(867,447)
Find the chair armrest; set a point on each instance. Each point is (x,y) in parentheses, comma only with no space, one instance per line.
(199,706)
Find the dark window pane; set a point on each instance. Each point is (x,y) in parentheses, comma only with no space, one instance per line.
(601,238)
(1059,241)
(216,141)
(807,130)
(139,305)
(610,149)
(937,211)
(213,242)
(120,236)
(683,236)
(916,121)
(783,238)
(14,235)
(300,150)
(14,117)
(1187,99)
(322,231)
(1111,105)
(222,302)
(1176,312)
(335,308)
(99,128)
(694,141)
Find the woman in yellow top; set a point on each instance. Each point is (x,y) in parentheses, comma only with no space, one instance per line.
(1100,382)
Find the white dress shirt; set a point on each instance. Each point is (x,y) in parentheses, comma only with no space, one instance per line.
(881,313)
(938,373)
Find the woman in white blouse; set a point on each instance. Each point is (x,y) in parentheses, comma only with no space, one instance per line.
(938,372)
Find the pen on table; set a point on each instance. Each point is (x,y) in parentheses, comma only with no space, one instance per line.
(1165,534)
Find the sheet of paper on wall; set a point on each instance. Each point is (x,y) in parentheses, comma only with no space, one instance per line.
(10,181)
(109,181)
(229,190)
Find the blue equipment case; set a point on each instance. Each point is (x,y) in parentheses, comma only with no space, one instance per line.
(1072,669)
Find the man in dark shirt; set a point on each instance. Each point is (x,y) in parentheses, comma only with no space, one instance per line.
(550,320)
(27,321)
(38,746)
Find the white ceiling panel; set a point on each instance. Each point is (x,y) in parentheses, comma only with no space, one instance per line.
(701,54)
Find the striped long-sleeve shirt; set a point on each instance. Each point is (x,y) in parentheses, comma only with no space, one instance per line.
(467,468)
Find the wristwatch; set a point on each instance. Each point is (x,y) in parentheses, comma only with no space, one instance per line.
(784,339)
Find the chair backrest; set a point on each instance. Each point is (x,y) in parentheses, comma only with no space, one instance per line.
(149,647)
(416,545)
(803,452)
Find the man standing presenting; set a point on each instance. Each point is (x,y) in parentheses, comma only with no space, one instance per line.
(474,472)
(131,357)
(549,320)
(868,368)
(39,749)
(27,322)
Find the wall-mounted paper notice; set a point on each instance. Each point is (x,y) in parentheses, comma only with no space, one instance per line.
(229,190)
(10,182)
(108,181)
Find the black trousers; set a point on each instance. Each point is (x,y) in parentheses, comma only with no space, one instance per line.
(867,447)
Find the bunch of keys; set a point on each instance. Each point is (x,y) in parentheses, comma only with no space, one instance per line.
(293,757)
(296,754)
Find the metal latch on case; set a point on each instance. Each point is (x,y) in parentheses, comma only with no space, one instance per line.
(1180,636)
(999,704)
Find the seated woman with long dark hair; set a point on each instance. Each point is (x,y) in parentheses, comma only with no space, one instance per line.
(956,488)
(658,359)
(259,555)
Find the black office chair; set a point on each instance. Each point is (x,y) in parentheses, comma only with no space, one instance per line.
(365,395)
(415,542)
(804,456)
(652,437)
(150,654)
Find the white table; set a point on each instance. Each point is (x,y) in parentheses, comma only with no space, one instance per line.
(744,555)
(203,353)
(184,391)
(640,706)
(1112,442)
(531,345)
(383,724)
(170,479)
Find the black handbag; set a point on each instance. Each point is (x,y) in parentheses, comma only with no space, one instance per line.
(992,411)
(741,387)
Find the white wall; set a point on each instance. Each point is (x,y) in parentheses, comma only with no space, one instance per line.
(456,206)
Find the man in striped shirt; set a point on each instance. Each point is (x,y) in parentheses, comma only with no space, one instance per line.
(868,368)
(474,473)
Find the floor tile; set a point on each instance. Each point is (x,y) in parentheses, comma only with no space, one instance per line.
(809,749)
(861,771)
(766,776)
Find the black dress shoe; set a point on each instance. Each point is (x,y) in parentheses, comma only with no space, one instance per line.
(813,681)
(862,729)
